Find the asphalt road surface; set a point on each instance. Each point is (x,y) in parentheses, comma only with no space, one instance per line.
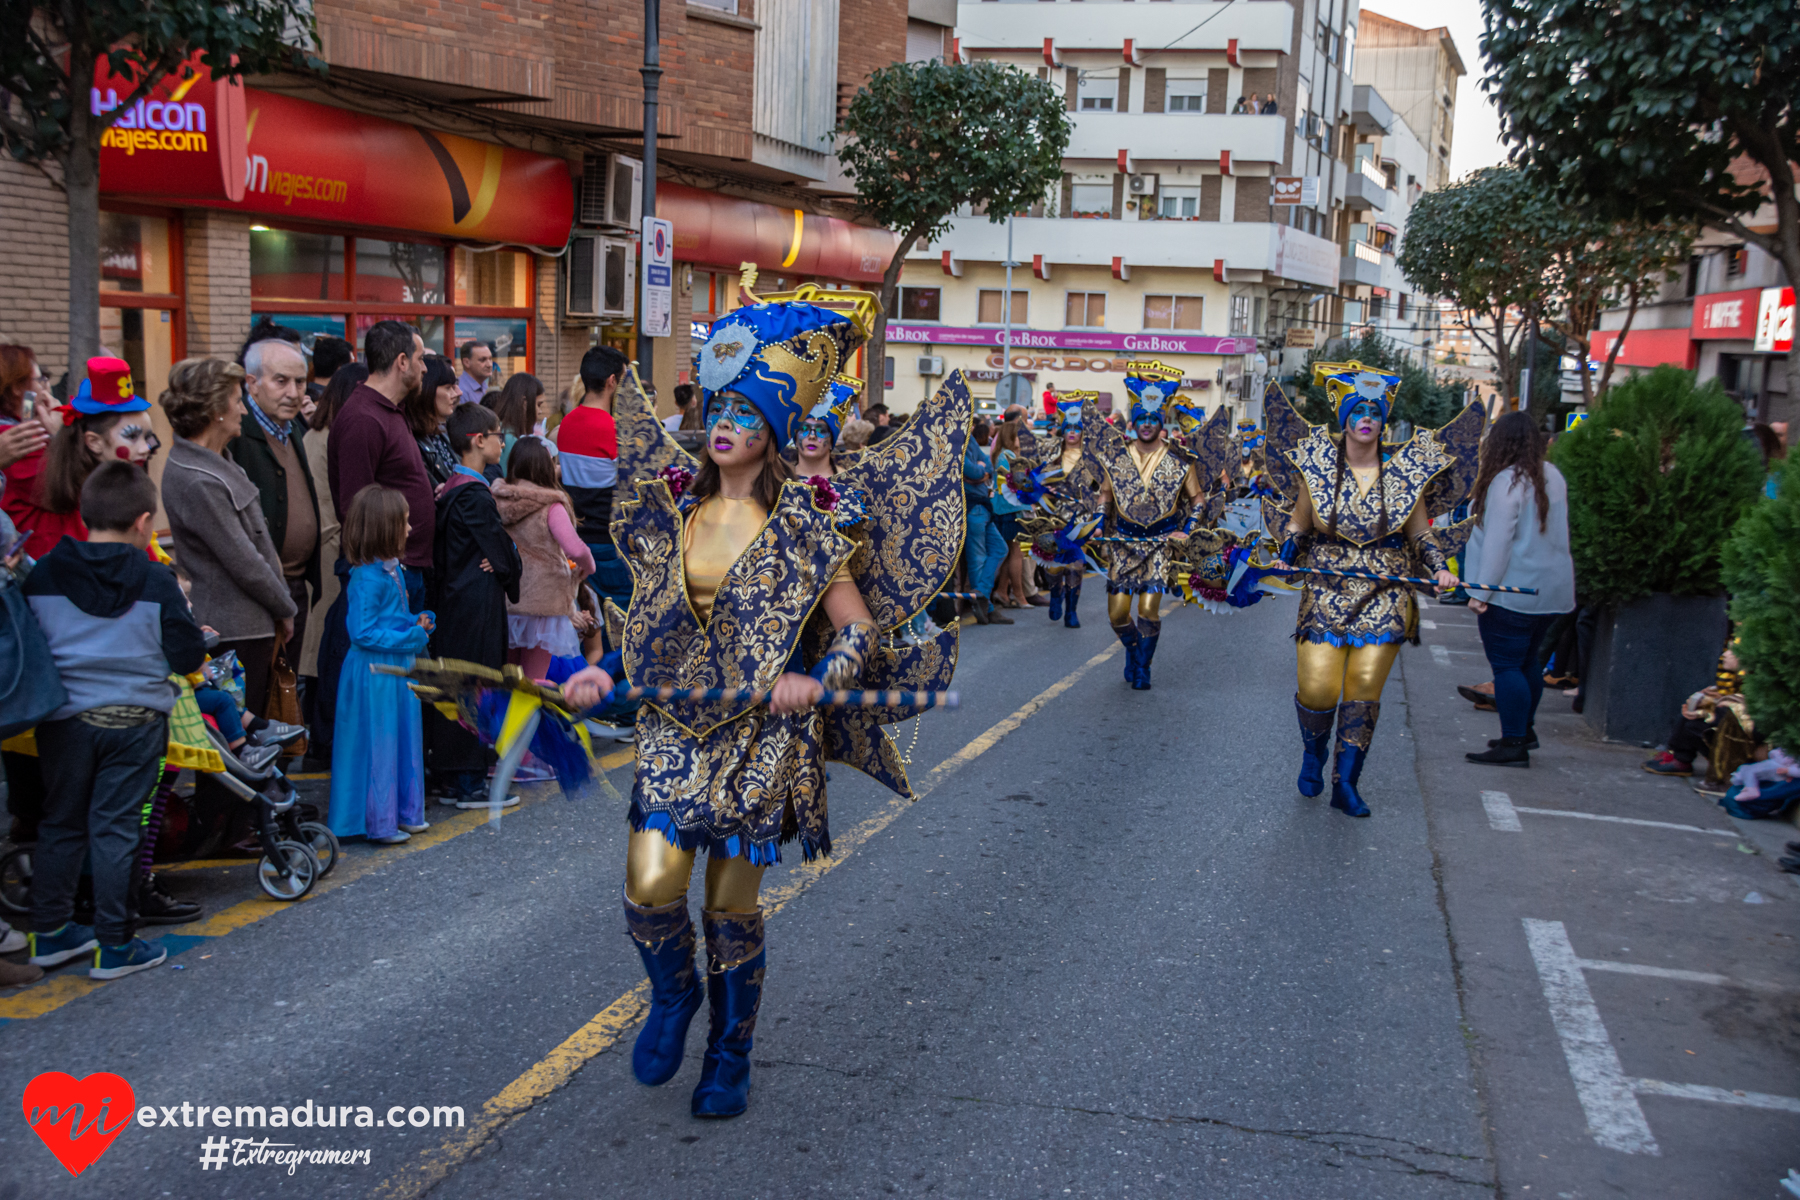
(1109,952)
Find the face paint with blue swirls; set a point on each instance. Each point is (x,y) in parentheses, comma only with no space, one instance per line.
(1364,408)
(739,411)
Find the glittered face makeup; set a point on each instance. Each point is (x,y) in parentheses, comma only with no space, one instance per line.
(1365,410)
(736,410)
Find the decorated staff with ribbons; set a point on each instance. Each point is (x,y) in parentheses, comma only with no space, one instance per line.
(746,579)
(1353,504)
(1076,497)
(1151,491)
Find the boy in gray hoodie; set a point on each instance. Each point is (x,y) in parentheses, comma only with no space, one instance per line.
(118,627)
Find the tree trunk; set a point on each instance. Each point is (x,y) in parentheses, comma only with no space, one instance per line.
(81,180)
(875,359)
(1787,236)
(1612,353)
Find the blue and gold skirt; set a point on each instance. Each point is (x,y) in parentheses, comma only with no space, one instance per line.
(1360,612)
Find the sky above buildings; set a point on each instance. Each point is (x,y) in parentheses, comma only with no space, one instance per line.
(1477,141)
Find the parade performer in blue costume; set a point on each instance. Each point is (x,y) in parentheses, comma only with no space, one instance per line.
(1076,497)
(1152,493)
(815,443)
(1351,502)
(747,578)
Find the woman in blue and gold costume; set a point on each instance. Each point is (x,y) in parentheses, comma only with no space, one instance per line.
(1076,496)
(748,578)
(1352,502)
(1153,496)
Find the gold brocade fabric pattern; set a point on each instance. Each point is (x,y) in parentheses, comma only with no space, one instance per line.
(855,737)
(911,485)
(1359,514)
(645,447)
(735,778)
(1145,504)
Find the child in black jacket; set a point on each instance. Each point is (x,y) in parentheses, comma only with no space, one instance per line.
(118,627)
(476,571)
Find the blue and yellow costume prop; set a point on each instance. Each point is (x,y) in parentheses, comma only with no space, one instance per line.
(1371,525)
(1152,492)
(731,597)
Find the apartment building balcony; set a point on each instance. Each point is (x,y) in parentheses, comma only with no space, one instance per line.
(1265,28)
(1230,250)
(1369,112)
(1177,137)
(1361,266)
(1361,191)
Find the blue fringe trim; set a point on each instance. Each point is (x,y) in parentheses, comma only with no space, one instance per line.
(1342,640)
(1141,589)
(757,854)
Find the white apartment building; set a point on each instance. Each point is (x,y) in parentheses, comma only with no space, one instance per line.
(1186,227)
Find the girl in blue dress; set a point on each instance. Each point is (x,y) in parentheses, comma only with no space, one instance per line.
(378,757)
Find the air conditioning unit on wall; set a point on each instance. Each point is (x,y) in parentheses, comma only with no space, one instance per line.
(602,277)
(931,364)
(612,191)
(1140,185)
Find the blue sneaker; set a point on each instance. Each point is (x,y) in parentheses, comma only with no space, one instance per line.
(57,947)
(116,962)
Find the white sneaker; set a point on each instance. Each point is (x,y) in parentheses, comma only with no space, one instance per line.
(393,840)
(482,802)
(12,940)
(421,827)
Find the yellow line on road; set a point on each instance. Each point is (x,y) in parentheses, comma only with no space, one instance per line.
(608,1028)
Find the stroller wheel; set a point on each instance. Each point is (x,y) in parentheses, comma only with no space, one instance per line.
(15,881)
(322,842)
(303,872)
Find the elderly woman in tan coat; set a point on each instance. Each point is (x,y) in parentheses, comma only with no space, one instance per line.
(221,539)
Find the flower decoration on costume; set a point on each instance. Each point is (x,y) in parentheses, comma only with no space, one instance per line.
(1347,384)
(1066,546)
(823,492)
(1152,384)
(678,478)
(1030,486)
(784,354)
(106,390)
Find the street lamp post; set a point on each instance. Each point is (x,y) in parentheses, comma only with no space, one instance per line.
(652,73)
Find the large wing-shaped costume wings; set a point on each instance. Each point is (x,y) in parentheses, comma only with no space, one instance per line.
(645,447)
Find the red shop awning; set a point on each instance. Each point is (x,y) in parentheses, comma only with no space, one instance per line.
(312,162)
(1646,348)
(724,231)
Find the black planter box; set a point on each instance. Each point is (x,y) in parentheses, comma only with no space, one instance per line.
(1648,657)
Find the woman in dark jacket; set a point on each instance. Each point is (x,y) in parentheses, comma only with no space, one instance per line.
(426,411)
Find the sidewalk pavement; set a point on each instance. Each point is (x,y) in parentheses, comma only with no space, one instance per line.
(1626,952)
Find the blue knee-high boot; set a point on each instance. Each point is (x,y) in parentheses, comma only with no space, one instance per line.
(1072,593)
(1315,746)
(1056,598)
(664,937)
(1129,638)
(1148,633)
(1355,730)
(734,983)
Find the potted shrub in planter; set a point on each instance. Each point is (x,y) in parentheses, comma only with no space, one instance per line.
(1762,569)
(1658,476)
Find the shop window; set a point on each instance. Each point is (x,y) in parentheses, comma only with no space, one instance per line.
(1172,312)
(399,272)
(431,329)
(493,278)
(991,309)
(295,266)
(920,304)
(504,335)
(134,254)
(310,328)
(1085,310)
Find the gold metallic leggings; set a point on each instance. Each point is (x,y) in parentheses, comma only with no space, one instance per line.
(1355,672)
(657,873)
(1118,607)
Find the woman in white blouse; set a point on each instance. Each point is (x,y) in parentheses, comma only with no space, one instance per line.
(1521,540)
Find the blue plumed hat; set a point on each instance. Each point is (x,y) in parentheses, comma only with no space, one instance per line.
(1188,417)
(1069,409)
(782,353)
(1152,385)
(1349,383)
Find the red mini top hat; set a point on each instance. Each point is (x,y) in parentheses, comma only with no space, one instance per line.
(107,389)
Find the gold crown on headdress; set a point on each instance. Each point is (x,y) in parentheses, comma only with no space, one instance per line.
(1153,369)
(861,307)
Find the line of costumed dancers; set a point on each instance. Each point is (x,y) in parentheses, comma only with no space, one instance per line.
(780,589)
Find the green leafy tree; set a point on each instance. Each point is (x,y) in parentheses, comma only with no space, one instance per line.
(1653,110)
(1595,265)
(47,60)
(924,139)
(1762,571)
(1421,400)
(1658,476)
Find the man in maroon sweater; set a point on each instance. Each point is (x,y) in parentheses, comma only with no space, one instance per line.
(371,443)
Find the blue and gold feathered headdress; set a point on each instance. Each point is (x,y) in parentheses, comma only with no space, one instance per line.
(1348,383)
(1188,417)
(783,352)
(1152,384)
